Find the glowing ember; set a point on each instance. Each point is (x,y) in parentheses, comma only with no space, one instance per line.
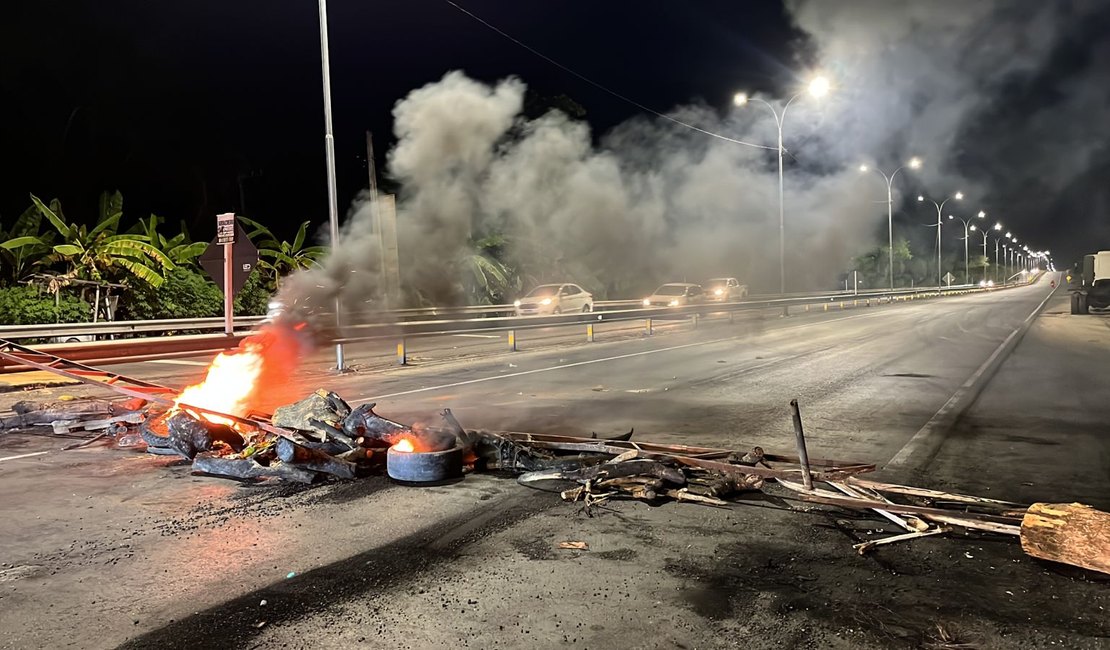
(404,444)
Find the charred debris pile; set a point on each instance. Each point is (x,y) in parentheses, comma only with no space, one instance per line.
(323,436)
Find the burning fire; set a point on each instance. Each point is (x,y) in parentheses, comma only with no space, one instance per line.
(404,444)
(234,380)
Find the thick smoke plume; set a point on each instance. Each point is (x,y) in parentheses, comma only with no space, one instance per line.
(996,96)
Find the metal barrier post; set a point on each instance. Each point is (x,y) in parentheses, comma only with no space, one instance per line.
(589,333)
(647,326)
(512,340)
(694,320)
(402,357)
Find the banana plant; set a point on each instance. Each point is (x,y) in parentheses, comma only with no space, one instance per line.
(101,252)
(180,248)
(23,249)
(279,257)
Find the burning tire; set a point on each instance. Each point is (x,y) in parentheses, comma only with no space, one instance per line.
(424,467)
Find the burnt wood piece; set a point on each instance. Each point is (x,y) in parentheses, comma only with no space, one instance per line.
(750,458)
(330,447)
(291,453)
(636,467)
(306,414)
(373,429)
(335,434)
(721,485)
(605,472)
(187,435)
(248,468)
(1071,533)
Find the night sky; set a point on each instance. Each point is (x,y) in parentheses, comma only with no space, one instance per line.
(193,108)
(198,107)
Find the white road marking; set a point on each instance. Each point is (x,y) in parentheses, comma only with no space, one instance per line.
(479,336)
(969,390)
(602,360)
(178,362)
(37,453)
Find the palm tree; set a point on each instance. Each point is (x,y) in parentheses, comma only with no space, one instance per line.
(24,248)
(101,252)
(279,257)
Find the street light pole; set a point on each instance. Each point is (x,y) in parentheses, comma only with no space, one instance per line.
(819,87)
(914,163)
(967,227)
(329,155)
(940,208)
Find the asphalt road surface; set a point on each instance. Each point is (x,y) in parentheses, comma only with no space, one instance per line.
(105,547)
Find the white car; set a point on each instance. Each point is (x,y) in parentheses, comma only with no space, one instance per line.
(555,299)
(675,294)
(725,290)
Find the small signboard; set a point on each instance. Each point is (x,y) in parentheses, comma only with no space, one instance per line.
(244,259)
(948,278)
(225,228)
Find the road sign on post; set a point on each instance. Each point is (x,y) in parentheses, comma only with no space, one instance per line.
(229,260)
(948,278)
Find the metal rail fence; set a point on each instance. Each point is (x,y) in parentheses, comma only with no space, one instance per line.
(169,346)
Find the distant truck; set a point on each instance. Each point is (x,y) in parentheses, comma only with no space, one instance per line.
(1093,291)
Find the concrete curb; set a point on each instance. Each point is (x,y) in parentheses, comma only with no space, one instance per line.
(923,447)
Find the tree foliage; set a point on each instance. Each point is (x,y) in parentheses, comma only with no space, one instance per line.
(26,305)
(100,253)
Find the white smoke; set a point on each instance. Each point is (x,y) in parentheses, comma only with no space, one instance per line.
(649,205)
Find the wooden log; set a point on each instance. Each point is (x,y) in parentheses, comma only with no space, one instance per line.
(248,468)
(1071,533)
(313,459)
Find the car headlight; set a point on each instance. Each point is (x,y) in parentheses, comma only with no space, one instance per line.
(647,302)
(516,303)
(673,303)
(545,301)
(718,292)
(982,283)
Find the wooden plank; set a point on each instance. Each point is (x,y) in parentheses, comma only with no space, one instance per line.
(1072,533)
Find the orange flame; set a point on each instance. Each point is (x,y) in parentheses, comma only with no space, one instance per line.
(234,379)
(404,444)
(227,387)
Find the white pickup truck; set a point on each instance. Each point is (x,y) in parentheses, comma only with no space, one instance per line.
(1093,291)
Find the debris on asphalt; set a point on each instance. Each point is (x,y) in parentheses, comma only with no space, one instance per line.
(577,546)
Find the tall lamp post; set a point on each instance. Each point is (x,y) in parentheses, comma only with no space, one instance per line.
(967,227)
(940,221)
(329,155)
(986,260)
(818,87)
(914,163)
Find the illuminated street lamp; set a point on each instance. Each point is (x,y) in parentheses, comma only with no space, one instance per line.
(818,87)
(914,163)
(967,226)
(940,207)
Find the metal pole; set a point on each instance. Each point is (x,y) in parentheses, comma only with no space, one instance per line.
(800,437)
(938,249)
(966,236)
(890,228)
(229,292)
(996,260)
(782,219)
(329,154)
